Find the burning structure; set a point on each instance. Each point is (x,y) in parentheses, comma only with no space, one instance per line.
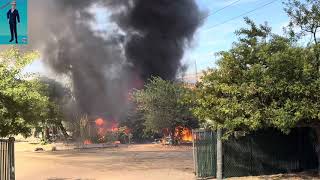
(99,130)
(141,38)
(181,135)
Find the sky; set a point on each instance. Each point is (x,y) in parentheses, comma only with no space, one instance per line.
(213,36)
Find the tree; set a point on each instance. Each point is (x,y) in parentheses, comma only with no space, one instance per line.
(304,18)
(305,21)
(59,98)
(22,101)
(265,80)
(161,105)
(135,122)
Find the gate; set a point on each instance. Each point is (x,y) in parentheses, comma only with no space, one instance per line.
(7,170)
(204,153)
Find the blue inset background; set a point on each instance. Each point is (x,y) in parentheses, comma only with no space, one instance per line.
(22,7)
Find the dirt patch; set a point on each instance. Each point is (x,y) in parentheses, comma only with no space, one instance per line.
(135,162)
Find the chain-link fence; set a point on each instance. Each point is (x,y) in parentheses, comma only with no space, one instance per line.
(261,153)
(7,171)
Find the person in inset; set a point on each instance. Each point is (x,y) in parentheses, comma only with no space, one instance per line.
(13,17)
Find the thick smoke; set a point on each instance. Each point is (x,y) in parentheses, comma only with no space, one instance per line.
(147,37)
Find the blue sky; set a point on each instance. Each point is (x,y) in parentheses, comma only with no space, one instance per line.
(210,38)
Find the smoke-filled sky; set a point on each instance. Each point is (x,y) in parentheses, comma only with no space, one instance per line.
(107,47)
(142,39)
(211,40)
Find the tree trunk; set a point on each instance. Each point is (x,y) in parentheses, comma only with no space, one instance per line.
(173,130)
(63,130)
(46,133)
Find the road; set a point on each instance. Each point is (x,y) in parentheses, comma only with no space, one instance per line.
(138,162)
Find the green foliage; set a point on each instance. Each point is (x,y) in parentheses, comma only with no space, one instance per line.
(135,122)
(265,80)
(305,21)
(161,105)
(304,18)
(22,101)
(59,98)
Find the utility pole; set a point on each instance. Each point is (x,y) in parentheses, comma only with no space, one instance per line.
(219,154)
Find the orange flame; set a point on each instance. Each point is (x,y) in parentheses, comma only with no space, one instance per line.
(114,127)
(87,142)
(99,122)
(185,134)
(181,133)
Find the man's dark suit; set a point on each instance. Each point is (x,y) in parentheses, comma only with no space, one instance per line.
(13,17)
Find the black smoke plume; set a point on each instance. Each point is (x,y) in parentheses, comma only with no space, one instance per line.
(146,38)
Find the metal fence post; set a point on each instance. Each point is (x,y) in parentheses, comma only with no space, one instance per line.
(12,158)
(193,153)
(219,155)
(7,169)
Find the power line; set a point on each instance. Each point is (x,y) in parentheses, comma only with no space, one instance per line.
(248,12)
(215,12)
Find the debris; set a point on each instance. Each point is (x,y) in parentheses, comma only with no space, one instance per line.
(38,149)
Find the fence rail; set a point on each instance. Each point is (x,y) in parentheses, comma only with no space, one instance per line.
(7,167)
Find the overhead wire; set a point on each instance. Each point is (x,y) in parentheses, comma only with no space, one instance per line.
(216,11)
(190,76)
(241,15)
(229,5)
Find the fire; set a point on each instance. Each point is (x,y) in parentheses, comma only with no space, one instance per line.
(100,129)
(99,122)
(114,127)
(185,134)
(87,142)
(181,133)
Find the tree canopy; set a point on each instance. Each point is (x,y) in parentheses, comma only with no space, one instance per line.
(23,103)
(264,80)
(59,98)
(161,105)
